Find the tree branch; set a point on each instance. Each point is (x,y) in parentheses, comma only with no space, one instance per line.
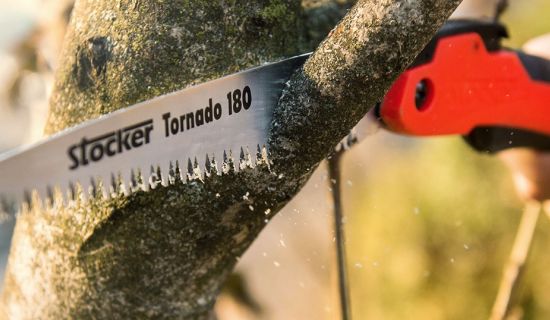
(165,253)
(511,278)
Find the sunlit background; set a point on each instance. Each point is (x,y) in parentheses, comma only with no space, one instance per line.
(430,223)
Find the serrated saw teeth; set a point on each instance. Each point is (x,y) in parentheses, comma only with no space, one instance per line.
(154,178)
(113,184)
(179,173)
(114,187)
(207,166)
(171,178)
(214,169)
(71,191)
(228,165)
(185,125)
(116,184)
(142,180)
(133,180)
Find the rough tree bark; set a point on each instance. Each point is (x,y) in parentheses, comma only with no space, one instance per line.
(165,253)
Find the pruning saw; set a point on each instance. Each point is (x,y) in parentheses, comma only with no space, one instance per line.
(463,83)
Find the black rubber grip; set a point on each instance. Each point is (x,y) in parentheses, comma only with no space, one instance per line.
(537,67)
(495,139)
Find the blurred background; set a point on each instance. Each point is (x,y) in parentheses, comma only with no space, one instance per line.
(429,222)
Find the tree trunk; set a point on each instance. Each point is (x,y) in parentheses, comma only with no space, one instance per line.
(165,253)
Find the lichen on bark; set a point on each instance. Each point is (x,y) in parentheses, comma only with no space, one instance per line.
(166,252)
(347,75)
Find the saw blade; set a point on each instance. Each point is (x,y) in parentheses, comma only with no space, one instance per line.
(159,141)
(210,123)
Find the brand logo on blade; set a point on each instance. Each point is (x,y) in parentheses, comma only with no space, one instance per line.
(109,145)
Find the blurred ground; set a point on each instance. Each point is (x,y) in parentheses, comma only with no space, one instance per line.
(430,223)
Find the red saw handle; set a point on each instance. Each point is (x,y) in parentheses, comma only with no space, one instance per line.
(466,87)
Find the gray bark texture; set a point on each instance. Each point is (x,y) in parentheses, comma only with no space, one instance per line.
(165,253)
